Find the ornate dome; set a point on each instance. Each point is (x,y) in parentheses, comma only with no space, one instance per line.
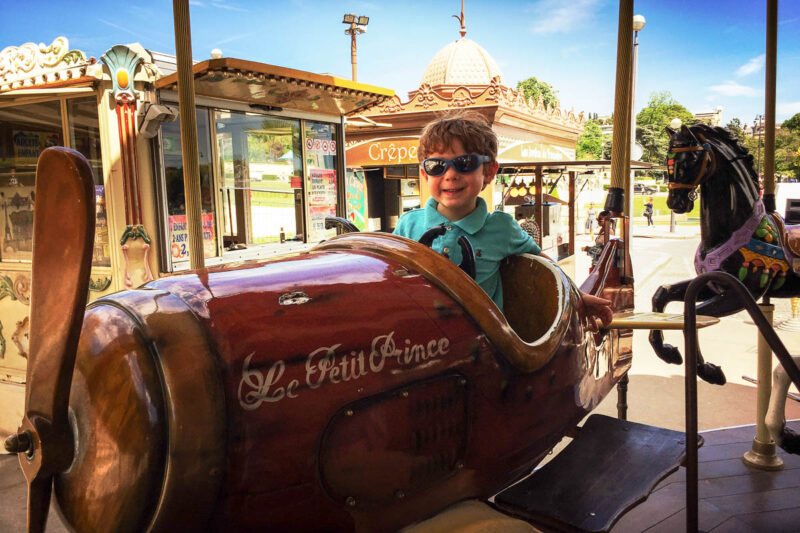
(462,62)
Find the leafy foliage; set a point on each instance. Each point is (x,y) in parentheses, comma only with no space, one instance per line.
(590,143)
(787,150)
(793,124)
(533,88)
(736,129)
(652,121)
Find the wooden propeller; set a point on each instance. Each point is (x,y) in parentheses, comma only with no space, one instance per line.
(63,235)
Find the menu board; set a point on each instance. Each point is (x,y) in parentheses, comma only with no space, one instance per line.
(355,190)
(322,190)
(179,237)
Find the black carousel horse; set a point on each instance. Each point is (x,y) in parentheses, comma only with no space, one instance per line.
(738,235)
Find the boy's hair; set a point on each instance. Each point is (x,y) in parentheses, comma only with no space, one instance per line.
(469,127)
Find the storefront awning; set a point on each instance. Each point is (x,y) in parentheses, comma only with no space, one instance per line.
(278,87)
(529,167)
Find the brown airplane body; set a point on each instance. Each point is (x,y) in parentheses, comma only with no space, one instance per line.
(361,386)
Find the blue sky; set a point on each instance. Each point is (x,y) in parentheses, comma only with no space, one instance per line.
(707,54)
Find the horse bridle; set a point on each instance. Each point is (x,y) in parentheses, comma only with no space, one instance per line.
(707,167)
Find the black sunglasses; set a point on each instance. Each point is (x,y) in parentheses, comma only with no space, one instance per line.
(463,164)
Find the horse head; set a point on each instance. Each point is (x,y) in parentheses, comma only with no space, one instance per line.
(690,161)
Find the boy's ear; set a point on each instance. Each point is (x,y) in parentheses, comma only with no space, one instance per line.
(490,171)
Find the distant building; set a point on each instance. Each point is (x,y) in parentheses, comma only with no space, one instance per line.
(713,118)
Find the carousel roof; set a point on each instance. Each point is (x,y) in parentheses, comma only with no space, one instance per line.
(462,62)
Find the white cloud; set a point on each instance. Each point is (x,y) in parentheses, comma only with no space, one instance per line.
(229,7)
(788,108)
(752,66)
(731,88)
(557,16)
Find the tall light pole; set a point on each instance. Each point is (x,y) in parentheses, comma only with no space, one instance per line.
(358,24)
(758,127)
(638,25)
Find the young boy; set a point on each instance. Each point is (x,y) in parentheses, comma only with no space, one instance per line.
(458,158)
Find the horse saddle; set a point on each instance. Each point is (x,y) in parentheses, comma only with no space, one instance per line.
(790,235)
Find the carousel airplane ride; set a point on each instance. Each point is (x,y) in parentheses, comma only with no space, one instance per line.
(161,408)
(364,385)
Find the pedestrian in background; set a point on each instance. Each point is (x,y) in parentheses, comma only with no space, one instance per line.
(590,214)
(648,211)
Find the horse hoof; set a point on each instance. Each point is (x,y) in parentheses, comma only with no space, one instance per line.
(670,354)
(711,373)
(790,441)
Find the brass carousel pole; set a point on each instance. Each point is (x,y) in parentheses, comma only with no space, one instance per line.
(763,453)
(620,157)
(620,164)
(191,165)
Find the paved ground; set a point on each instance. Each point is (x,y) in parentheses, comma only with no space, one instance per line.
(656,389)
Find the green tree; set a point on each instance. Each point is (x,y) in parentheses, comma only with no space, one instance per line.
(793,124)
(736,129)
(590,143)
(651,122)
(787,151)
(533,88)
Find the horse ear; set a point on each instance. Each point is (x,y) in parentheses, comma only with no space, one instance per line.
(686,131)
(669,131)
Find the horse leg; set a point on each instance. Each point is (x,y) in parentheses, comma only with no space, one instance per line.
(776,418)
(713,304)
(663,295)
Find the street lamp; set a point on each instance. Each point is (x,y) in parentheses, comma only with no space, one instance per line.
(638,25)
(758,128)
(358,24)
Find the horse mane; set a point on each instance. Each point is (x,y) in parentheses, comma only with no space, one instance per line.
(724,136)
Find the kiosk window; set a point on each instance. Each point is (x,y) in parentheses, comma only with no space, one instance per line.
(84,136)
(320,150)
(260,166)
(25,131)
(175,199)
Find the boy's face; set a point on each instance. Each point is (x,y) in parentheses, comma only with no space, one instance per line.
(457,193)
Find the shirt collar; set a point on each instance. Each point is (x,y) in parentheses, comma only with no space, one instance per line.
(471,223)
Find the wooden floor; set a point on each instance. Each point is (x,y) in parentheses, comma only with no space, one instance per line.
(734,498)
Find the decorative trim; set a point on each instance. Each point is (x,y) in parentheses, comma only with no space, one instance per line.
(31,65)
(22,288)
(100,285)
(122,63)
(7,288)
(443,97)
(134,232)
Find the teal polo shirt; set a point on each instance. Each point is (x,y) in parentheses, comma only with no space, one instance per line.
(494,236)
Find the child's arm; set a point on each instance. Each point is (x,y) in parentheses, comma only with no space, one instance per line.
(594,307)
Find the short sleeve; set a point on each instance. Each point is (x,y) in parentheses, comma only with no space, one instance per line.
(520,242)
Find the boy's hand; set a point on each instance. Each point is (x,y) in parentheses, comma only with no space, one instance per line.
(595,308)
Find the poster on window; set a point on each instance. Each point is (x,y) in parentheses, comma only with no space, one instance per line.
(355,191)
(323,187)
(29,144)
(317,214)
(179,237)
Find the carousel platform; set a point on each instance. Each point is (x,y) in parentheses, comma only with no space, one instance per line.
(734,498)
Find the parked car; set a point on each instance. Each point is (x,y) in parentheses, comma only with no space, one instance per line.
(640,188)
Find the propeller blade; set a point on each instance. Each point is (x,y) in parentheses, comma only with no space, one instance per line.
(63,236)
(39,491)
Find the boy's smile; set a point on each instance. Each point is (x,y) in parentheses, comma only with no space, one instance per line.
(455,192)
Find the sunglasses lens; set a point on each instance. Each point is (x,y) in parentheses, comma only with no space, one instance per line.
(466,163)
(434,166)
